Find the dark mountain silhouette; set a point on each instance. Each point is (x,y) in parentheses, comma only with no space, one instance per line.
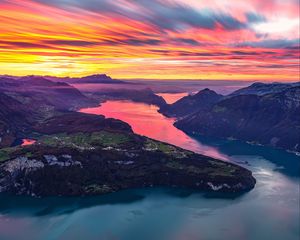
(271,119)
(142,96)
(201,101)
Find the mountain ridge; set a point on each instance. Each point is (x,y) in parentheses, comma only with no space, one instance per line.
(202,100)
(270,119)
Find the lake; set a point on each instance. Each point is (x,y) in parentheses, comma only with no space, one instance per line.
(269,211)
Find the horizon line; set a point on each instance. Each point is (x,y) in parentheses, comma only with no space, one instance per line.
(156,79)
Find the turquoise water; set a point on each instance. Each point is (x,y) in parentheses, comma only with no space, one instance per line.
(269,211)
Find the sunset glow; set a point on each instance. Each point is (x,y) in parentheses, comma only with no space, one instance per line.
(188,39)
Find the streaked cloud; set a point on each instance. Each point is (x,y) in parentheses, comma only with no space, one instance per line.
(214,39)
(77,43)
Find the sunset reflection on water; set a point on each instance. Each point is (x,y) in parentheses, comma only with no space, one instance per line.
(27,141)
(145,120)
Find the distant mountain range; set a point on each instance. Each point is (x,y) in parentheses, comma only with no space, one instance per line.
(13,119)
(96,78)
(267,114)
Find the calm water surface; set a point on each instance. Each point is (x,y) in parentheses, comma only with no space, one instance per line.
(171,98)
(270,211)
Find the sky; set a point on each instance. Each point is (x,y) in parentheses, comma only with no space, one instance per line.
(151,39)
